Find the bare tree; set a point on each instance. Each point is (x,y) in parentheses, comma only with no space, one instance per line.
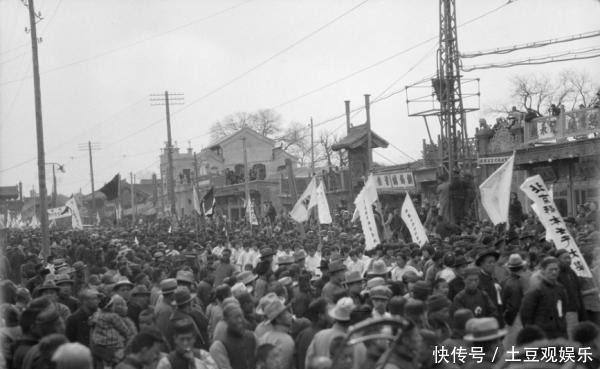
(296,141)
(581,86)
(266,122)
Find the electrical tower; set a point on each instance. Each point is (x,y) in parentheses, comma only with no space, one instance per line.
(447,90)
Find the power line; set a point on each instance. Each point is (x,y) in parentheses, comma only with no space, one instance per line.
(385,157)
(531,45)
(553,58)
(132,44)
(265,61)
(386,59)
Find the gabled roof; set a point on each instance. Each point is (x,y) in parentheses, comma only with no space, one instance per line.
(245,131)
(357,137)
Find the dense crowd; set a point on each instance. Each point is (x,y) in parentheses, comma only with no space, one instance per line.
(212,297)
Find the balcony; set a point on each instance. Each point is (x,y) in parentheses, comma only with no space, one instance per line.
(568,126)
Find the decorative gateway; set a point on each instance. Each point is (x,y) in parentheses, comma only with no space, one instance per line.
(399,180)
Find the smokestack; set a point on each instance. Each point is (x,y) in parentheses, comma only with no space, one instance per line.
(347,103)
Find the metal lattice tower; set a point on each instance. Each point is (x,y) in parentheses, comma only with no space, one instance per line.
(452,114)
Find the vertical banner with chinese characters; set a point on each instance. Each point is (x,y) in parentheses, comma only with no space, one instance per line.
(364,205)
(413,223)
(535,188)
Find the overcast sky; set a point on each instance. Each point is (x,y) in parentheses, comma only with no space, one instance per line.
(100,61)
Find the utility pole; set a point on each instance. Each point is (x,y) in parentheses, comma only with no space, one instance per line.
(132,190)
(246,181)
(312,148)
(61,168)
(350,176)
(41,160)
(167,100)
(369,138)
(89,146)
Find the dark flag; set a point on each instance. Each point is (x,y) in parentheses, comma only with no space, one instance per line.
(111,189)
(208,203)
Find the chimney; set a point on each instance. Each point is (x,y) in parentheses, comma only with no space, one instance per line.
(347,103)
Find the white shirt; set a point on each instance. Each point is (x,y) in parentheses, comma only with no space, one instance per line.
(247,257)
(312,263)
(355,266)
(398,272)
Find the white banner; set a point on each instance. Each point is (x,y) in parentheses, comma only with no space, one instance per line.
(300,211)
(34,222)
(75,218)
(58,213)
(364,205)
(535,188)
(323,205)
(495,192)
(413,223)
(253,218)
(400,180)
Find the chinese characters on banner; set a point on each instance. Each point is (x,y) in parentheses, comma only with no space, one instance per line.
(413,223)
(401,180)
(535,188)
(364,205)
(252,214)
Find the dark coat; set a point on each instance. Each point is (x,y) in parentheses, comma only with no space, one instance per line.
(455,286)
(540,307)
(512,296)
(568,278)
(477,301)
(77,327)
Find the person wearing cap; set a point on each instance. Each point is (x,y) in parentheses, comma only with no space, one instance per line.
(354,283)
(321,342)
(513,290)
(77,327)
(545,304)
(123,288)
(405,353)
(486,261)
(65,292)
(139,300)
(336,278)
(164,308)
(236,350)
(473,298)
(185,354)
(49,290)
(485,333)
(380,296)
(281,319)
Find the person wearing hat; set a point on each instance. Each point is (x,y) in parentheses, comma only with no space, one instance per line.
(484,333)
(77,327)
(457,284)
(65,292)
(336,278)
(300,258)
(378,269)
(486,260)
(123,288)
(405,353)
(224,268)
(473,298)
(139,301)
(164,307)
(354,284)
(183,310)
(49,290)
(321,342)
(280,318)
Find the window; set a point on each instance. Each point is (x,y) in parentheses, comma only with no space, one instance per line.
(260,171)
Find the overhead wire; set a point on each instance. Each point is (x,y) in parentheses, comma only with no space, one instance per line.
(132,44)
(530,45)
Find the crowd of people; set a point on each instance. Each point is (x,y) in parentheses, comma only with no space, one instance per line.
(163,297)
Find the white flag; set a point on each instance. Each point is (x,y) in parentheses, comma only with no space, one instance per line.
(75,218)
(196,201)
(535,188)
(323,205)
(34,222)
(364,204)
(2,223)
(300,211)
(495,192)
(9,220)
(413,223)
(97,218)
(251,213)
(19,222)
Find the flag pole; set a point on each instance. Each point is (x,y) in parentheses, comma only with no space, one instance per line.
(118,200)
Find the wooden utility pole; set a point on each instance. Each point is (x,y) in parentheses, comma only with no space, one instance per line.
(312,148)
(89,147)
(132,190)
(369,138)
(41,160)
(167,100)
(246,181)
